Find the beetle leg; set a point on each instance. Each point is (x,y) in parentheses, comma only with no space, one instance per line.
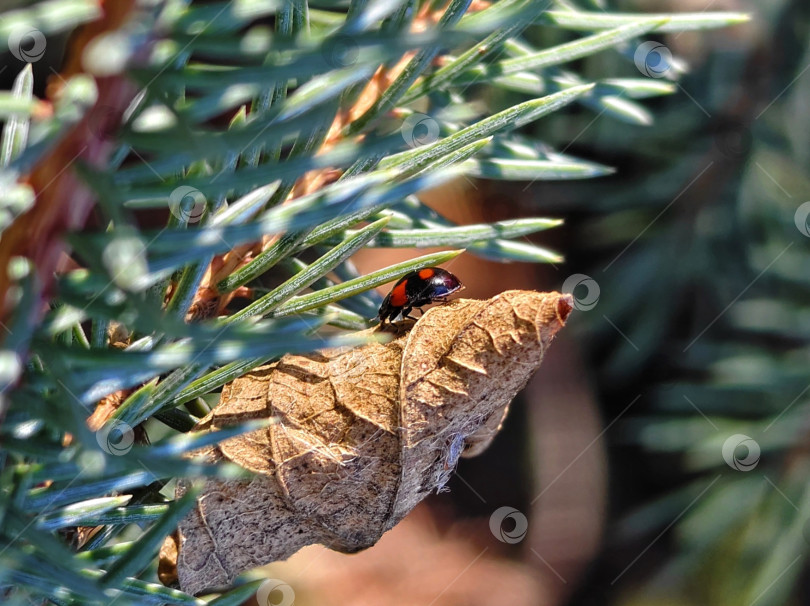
(407,314)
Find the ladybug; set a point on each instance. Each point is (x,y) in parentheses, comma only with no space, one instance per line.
(416,289)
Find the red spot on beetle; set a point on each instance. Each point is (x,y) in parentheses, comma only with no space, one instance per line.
(398,296)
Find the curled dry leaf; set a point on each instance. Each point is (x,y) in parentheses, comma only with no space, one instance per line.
(363,433)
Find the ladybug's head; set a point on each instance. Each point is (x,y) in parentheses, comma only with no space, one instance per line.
(443,283)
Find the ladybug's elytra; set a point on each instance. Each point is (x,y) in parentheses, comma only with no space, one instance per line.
(416,289)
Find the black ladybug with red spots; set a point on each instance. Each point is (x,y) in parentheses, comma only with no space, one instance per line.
(416,289)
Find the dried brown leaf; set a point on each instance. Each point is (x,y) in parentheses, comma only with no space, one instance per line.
(363,433)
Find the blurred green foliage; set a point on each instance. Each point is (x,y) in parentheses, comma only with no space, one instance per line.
(699,244)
